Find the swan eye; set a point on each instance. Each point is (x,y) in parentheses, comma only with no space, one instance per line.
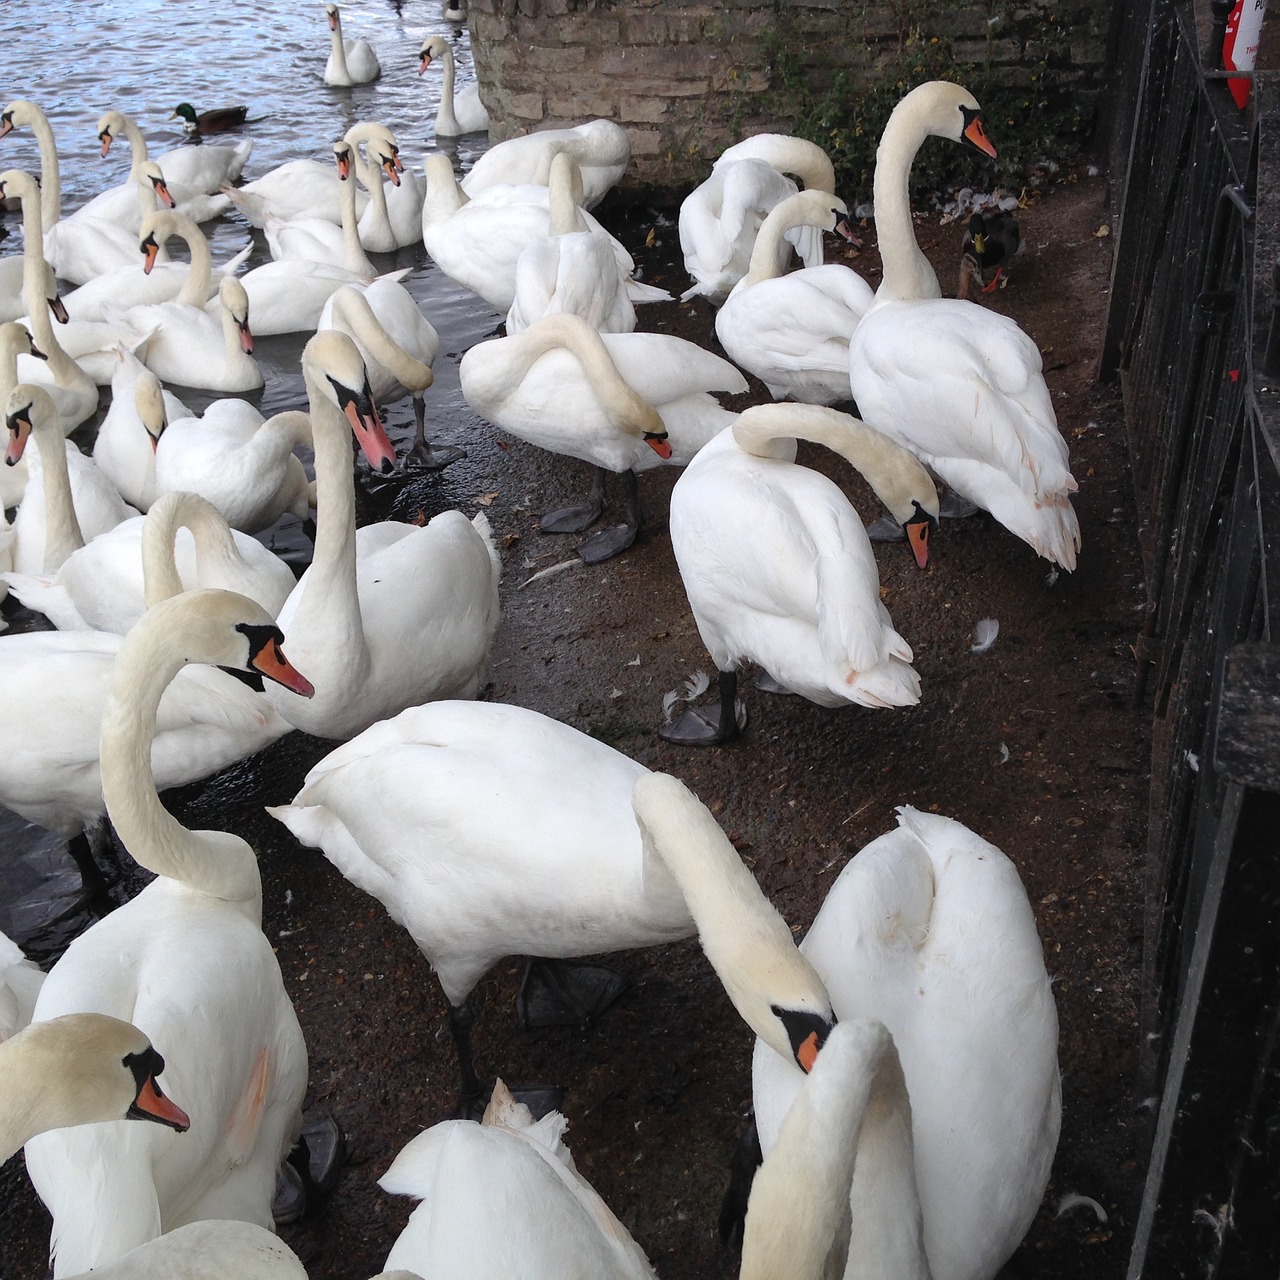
(19,418)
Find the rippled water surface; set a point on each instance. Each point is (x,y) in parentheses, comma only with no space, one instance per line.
(78,58)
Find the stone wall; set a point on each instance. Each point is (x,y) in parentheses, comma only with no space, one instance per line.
(688,77)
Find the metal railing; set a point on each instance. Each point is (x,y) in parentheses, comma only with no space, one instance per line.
(1196,182)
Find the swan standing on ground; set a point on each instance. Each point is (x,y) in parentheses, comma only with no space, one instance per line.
(105,585)
(67,499)
(621,401)
(600,148)
(460,110)
(392,614)
(720,219)
(188,960)
(929,930)
(779,570)
(960,386)
(792,331)
(350,61)
(83,1069)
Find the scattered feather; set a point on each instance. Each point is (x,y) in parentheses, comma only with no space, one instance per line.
(575,563)
(696,685)
(1051,577)
(1193,762)
(669,700)
(984,635)
(617,693)
(1004,754)
(1074,1200)
(635,662)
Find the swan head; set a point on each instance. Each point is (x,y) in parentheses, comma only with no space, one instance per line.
(344,157)
(435,47)
(16,339)
(232,295)
(18,184)
(333,366)
(775,989)
(335,19)
(150,178)
(157,227)
(381,144)
(92,1068)
(148,398)
(27,410)
(18,112)
(56,306)
(111,126)
(945,110)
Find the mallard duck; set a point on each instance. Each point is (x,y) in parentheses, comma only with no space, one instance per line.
(218,120)
(991,240)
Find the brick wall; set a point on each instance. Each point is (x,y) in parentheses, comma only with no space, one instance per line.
(687,77)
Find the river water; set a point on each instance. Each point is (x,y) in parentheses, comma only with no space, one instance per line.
(78,58)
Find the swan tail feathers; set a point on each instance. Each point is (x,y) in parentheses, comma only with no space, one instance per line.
(233,264)
(638,292)
(47,596)
(480,522)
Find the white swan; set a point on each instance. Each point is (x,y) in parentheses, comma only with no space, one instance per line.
(792,331)
(67,499)
(460,110)
(205,1251)
(190,170)
(79,247)
(196,195)
(720,218)
(187,344)
(601,149)
(73,390)
(316,239)
(959,385)
(20,983)
(778,568)
(503,1198)
(393,614)
(350,61)
(14,339)
(574,269)
(398,345)
(124,449)
(240,463)
(478,241)
(929,930)
(392,219)
(105,585)
(188,960)
(621,401)
(82,1069)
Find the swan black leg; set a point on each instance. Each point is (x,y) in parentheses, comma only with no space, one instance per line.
(576,519)
(747,1158)
(612,542)
(695,729)
(423,453)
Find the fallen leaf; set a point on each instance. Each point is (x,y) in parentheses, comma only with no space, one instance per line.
(485,499)
(1103,230)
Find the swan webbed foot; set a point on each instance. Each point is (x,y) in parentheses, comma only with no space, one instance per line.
(432,457)
(565,993)
(951,506)
(886,529)
(695,728)
(609,543)
(571,519)
(310,1171)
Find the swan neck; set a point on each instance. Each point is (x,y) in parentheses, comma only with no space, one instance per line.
(337,52)
(66,373)
(196,287)
(356,313)
(907,273)
(35,1100)
(771,252)
(50,173)
(62,533)
(209,531)
(352,248)
(214,863)
(445,195)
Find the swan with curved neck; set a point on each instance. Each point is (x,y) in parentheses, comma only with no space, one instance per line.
(195,173)
(720,219)
(496,869)
(959,385)
(407,616)
(79,245)
(83,1068)
(350,61)
(182,543)
(67,498)
(187,345)
(460,110)
(792,331)
(391,219)
(192,939)
(779,570)
(622,401)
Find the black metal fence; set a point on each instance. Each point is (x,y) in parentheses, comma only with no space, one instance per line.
(1196,182)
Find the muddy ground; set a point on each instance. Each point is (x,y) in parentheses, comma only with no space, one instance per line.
(657,1089)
